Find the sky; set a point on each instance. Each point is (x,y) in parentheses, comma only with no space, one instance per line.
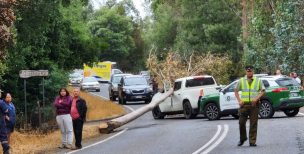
(139,4)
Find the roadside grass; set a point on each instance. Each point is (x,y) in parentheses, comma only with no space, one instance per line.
(34,142)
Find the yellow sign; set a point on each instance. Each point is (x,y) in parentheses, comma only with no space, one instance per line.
(101,69)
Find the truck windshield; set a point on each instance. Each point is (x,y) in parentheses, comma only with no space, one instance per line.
(200,82)
(135,81)
(117,79)
(75,75)
(89,79)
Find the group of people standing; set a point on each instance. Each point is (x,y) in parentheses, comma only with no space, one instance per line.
(7,121)
(70,116)
(293,75)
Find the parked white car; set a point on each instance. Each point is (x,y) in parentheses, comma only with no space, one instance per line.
(75,78)
(89,83)
(185,97)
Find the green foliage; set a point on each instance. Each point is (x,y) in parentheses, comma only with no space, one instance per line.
(200,26)
(276,36)
(162,33)
(3,68)
(114,29)
(51,35)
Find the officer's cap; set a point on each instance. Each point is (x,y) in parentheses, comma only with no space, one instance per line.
(249,68)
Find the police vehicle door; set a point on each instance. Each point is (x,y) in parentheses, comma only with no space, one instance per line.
(227,97)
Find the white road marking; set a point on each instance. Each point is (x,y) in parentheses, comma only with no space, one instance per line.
(219,128)
(226,128)
(115,101)
(301,113)
(100,96)
(129,108)
(99,141)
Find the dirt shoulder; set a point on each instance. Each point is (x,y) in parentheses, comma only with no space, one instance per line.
(98,109)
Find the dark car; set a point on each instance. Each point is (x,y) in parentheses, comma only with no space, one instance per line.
(134,88)
(113,87)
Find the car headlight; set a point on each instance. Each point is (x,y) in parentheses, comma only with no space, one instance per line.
(149,89)
(127,90)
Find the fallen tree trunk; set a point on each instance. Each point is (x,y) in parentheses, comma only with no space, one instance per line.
(109,126)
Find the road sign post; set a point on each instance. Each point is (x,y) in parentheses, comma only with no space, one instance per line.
(25,108)
(27,74)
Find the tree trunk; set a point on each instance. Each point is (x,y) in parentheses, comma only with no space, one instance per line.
(244,20)
(109,126)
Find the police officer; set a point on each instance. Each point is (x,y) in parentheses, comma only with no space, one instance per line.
(3,132)
(252,90)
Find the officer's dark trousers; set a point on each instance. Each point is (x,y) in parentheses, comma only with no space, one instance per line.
(3,139)
(77,127)
(251,111)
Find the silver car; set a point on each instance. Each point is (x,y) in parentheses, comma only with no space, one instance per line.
(89,83)
(75,78)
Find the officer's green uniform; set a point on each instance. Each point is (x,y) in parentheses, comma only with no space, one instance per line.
(250,90)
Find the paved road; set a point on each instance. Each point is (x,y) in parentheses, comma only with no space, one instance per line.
(176,135)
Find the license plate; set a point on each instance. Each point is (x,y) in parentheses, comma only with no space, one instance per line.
(294,95)
(138,96)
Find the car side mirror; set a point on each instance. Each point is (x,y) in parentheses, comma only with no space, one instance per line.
(223,91)
(219,88)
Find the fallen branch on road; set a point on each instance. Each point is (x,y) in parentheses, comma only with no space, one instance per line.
(109,126)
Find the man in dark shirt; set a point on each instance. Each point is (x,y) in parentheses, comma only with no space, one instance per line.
(78,113)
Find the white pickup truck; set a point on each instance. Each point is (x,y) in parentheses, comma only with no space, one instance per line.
(185,96)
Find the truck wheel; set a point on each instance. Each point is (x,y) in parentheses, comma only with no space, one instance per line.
(188,111)
(147,101)
(212,112)
(266,109)
(291,112)
(235,116)
(157,114)
(113,98)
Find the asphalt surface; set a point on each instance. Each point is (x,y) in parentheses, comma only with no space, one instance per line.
(176,135)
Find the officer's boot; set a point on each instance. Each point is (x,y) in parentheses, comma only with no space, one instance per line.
(6,148)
